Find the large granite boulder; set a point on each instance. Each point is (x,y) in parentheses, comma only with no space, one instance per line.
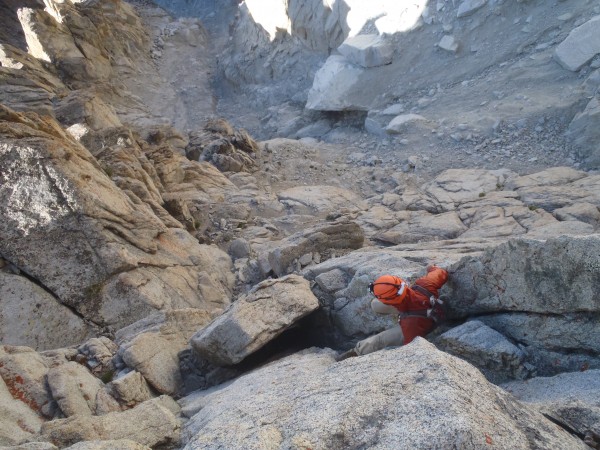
(255,319)
(375,401)
(367,50)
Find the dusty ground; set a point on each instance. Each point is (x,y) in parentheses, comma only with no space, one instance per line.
(506,108)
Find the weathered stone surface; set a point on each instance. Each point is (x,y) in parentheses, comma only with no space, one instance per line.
(367,50)
(320,238)
(115,244)
(583,212)
(122,444)
(558,276)
(24,373)
(456,186)
(32,317)
(150,423)
(18,422)
(548,340)
(320,199)
(571,399)
(421,226)
(332,83)
(255,319)
(582,44)
(130,389)
(486,349)
(32,446)
(98,355)
(401,123)
(152,346)
(311,401)
(78,392)
(583,131)
(554,176)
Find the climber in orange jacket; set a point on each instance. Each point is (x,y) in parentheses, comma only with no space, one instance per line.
(417,308)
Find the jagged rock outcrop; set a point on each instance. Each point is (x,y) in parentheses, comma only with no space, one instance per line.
(312,401)
(116,254)
(255,319)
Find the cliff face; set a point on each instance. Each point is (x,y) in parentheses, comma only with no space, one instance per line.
(133,217)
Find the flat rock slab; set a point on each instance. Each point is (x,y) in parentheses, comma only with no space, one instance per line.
(320,199)
(255,319)
(580,46)
(375,401)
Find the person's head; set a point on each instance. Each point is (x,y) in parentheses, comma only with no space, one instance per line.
(388,289)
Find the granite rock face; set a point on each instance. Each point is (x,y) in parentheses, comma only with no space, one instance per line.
(310,400)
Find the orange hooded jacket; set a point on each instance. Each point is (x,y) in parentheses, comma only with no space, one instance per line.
(413,326)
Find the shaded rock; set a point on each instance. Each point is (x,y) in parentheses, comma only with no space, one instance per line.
(31,316)
(78,392)
(367,50)
(315,130)
(571,399)
(549,340)
(454,401)
(486,349)
(583,132)
(580,46)
(346,302)
(320,238)
(98,355)
(331,85)
(150,423)
(152,346)
(255,319)
(586,189)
